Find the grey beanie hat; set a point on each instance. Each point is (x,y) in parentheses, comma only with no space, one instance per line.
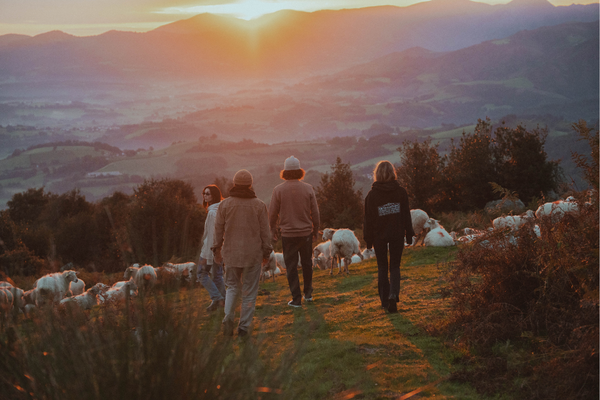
(291,163)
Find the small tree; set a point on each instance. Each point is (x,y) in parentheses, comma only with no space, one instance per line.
(523,163)
(420,173)
(470,167)
(165,222)
(340,205)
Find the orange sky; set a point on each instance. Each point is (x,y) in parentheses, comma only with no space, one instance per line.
(92,17)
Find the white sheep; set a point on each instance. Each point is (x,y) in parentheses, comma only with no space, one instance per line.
(322,254)
(556,209)
(419,218)
(18,301)
(54,287)
(85,300)
(6,301)
(144,276)
(437,236)
(321,262)
(354,260)
(269,268)
(281,262)
(344,244)
(119,291)
(368,253)
(184,270)
(77,288)
(103,288)
(513,222)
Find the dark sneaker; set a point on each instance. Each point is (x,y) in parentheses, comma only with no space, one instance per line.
(308,298)
(213,305)
(228,328)
(242,332)
(293,303)
(392,307)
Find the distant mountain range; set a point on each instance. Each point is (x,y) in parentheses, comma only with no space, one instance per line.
(550,70)
(286,44)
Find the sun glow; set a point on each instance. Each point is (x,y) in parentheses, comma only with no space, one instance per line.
(247,9)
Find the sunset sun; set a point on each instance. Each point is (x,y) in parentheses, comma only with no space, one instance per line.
(246,9)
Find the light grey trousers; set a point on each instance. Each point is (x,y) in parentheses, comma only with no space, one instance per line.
(244,282)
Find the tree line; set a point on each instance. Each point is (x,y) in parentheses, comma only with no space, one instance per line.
(163,221)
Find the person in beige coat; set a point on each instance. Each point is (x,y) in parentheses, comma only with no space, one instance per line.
(242,242)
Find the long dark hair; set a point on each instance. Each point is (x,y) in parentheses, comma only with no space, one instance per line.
(215,193)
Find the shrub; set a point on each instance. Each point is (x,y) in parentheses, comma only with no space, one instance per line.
(537,293)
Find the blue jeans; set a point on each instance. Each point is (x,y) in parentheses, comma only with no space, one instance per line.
(215,286)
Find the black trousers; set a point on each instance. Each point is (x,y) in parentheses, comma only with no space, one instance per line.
(389,288)
(292,248)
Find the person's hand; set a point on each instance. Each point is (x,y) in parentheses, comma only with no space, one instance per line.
(265,261)
(218,256)
(275,236)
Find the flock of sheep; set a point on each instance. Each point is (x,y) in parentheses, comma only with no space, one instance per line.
(340,248)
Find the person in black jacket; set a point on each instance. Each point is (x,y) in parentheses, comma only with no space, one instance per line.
(387,223)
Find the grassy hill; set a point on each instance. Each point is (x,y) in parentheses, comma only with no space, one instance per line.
(341,346)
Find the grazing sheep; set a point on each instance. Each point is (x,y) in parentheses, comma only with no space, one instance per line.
(354,260)
(556,209)
(185,271)
(368,253)
(322,254)
(119,291)
(513,222)
(85,300)
(269,268)
(419,218)
(343,245)
(18,300)
(4,284)
(321,262)
(437,236)
(54,287)
(6,301)
(29,297)
(167,277)
(281,262)
(144,277)
(103,288)
(77,288)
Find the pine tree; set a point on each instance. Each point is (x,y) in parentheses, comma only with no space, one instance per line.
(340,205)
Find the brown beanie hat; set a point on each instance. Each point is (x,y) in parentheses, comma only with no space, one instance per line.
(243,178)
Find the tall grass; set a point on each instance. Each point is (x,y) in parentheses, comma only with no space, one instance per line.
(151,348)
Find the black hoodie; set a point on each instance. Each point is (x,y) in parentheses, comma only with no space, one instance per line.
(387,214)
